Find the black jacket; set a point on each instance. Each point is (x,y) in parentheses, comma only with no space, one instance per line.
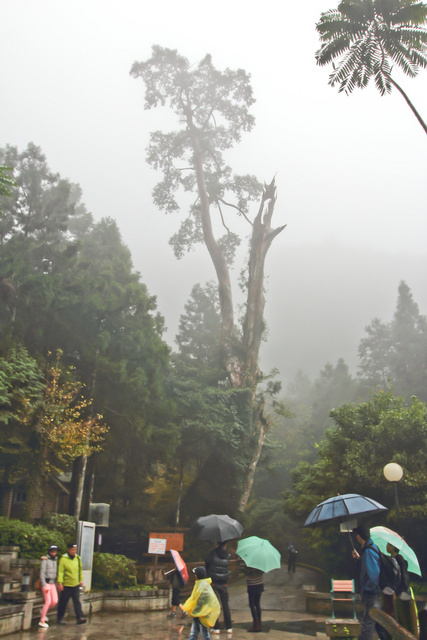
(217,565)
(404,580)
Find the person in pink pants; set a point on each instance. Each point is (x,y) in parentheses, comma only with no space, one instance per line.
(48,573)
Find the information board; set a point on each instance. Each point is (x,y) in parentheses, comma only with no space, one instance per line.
(157,545)
(173,540)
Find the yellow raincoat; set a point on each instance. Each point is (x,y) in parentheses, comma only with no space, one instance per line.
(203,603)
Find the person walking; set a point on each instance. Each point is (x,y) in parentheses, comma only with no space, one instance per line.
(292,558)
(70,579)
(406,608)
(176,584)
(48,574)
(370,590)
(255,586)
(216,564)
(202,605)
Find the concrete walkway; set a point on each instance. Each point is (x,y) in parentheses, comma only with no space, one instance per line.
(282,603)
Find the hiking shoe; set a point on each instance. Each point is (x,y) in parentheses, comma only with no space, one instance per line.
(61,621)
(214,630)
(81,620)
(229,630)
(172,614)
(184,614)
(43,625)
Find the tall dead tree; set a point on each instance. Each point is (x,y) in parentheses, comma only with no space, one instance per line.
(212,108)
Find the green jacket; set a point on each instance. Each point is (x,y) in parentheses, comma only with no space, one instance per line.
(70,572)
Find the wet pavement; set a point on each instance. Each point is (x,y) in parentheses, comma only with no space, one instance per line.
(283,606)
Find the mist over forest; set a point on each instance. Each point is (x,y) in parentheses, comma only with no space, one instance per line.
(319,298)
(128,142)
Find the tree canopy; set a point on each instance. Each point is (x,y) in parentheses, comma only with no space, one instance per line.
(351,458)
(68,283)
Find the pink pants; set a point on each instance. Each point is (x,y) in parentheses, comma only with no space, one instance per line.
(50,599)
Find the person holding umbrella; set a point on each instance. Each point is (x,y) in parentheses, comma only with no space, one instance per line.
(178,577)
(259,556)
(255,586)
(370,590)
(216,564)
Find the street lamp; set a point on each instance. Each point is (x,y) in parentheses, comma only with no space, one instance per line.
(393,472)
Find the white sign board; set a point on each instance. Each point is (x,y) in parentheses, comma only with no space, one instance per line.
(157,545)
(85,545)
(348,526)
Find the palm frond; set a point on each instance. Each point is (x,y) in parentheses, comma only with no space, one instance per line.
(332,50)
(414,13)
(419,58)
(402,57)
(382,83)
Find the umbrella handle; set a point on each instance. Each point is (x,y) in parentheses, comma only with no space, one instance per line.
(351,541)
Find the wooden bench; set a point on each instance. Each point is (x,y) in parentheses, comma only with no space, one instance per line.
(343,587)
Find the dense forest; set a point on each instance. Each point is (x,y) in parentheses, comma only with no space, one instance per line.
(89,386)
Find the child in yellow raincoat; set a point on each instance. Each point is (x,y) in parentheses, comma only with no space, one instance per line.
(202,606)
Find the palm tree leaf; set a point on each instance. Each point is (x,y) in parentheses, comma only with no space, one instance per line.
(382,84)
(412,36)
(401,55)
(332,50)
(419,58)
(415,13)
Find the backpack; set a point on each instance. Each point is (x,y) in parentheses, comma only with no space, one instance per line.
(390,573)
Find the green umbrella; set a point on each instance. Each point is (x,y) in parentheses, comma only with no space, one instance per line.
(382,535)
(258,554)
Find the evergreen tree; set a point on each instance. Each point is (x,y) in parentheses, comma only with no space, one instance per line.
(69,284)
(395,353)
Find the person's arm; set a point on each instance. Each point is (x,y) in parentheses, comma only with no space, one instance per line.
(60,578)
(80,571)
(43,568)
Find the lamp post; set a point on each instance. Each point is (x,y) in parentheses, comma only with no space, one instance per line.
(393,472)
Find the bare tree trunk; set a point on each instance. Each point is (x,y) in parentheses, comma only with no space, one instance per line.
(215,251)
(81,474)
(178,502)
(408,102)
(262,237)
(243,370)
(262,430)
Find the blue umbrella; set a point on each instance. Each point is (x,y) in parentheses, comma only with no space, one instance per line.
(342,508)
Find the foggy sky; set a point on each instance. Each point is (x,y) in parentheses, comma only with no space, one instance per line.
(351,171)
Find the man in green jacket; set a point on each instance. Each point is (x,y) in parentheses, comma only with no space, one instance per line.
(70,579)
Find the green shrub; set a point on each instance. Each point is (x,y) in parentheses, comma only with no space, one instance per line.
(61,522)
(33,540)
(111,571)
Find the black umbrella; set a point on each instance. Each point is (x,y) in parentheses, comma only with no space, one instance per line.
(342,508)
(217,528)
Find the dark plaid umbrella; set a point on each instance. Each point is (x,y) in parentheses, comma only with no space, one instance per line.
(342,508)
(216,528)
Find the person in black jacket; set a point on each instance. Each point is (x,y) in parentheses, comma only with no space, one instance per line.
(217,569)
(404,577)
(406,608)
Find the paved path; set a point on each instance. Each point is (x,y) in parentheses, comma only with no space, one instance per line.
(283,606)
